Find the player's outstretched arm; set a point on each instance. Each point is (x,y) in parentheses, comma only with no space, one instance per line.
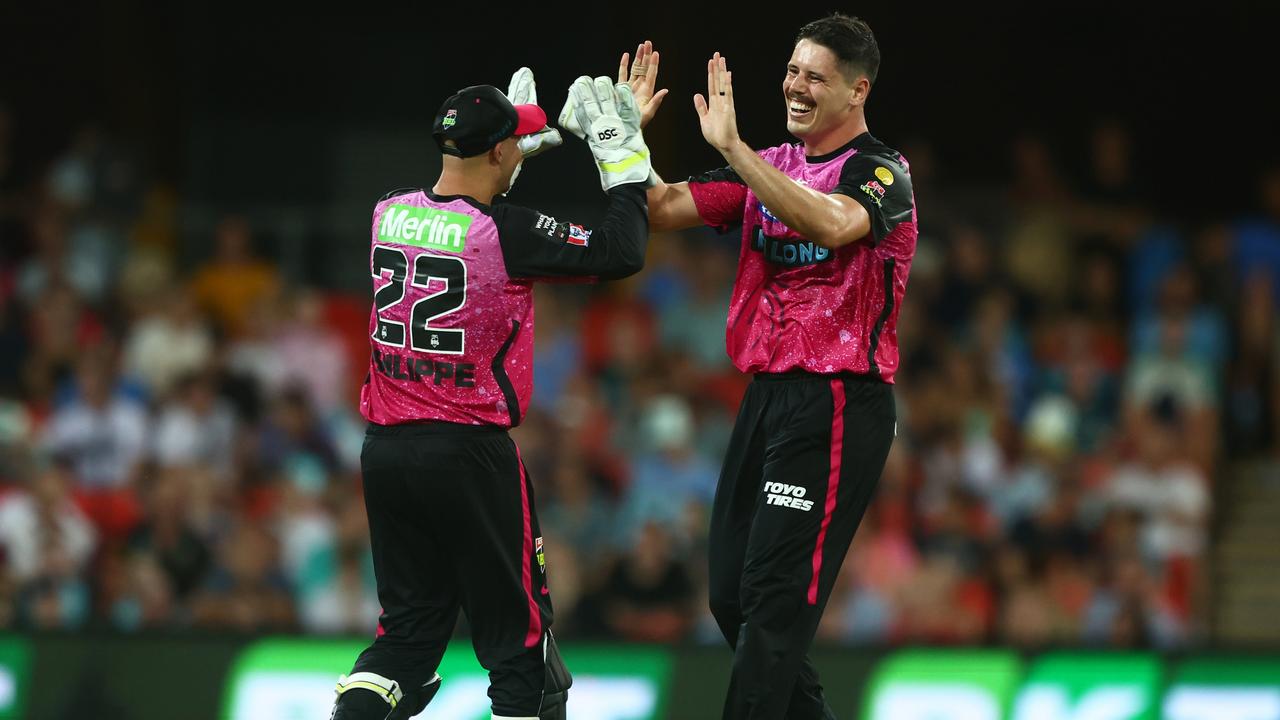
(671,206)
(828,220)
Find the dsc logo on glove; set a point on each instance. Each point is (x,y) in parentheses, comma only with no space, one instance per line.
(608,132)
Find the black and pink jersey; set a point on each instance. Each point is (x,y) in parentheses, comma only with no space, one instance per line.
(452,321)
(798,306)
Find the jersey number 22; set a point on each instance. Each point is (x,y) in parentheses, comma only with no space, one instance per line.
(422,337)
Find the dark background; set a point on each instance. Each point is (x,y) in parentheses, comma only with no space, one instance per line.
(241,105)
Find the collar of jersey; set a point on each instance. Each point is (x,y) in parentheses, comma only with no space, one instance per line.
(857,142)
(465,198)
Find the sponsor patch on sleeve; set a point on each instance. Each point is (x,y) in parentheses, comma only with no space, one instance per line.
(873,190)
(547,226)
(578,235)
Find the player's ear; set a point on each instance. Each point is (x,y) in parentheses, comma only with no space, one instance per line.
(495,155)
(859,90)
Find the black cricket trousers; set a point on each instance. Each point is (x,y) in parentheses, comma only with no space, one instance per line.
(805,456)
(453,525)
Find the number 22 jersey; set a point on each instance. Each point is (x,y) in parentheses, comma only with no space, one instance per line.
(451,328)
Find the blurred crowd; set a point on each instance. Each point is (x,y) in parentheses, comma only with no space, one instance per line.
(179,439)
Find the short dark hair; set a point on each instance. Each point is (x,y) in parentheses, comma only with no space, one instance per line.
(851,40)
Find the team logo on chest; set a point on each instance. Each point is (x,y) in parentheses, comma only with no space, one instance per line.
(789,250)
(792,252)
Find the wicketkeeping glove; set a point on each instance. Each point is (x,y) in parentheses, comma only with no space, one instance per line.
(524,91)
(568,120)
(607,117)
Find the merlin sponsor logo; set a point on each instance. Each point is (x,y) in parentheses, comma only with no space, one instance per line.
(397,367)
(424,227)
(450,118)
(784,495)
(542,558)
(793,253)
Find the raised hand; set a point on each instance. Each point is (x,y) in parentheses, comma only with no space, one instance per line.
(610,122)
(642,76)
(524,91)
(716,114)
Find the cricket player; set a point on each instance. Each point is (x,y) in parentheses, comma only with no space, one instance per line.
(451,510)
(828,230)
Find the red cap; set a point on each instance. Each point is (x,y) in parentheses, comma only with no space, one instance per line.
(532,119)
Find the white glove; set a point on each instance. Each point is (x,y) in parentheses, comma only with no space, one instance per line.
(569,121)
(608,115)
(523,91)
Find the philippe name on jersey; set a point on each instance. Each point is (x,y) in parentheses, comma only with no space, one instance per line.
(419,370)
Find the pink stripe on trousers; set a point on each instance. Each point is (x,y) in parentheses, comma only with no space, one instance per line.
(833,483)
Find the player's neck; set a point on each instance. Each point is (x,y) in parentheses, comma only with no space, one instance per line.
(837,138)
(460,184)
